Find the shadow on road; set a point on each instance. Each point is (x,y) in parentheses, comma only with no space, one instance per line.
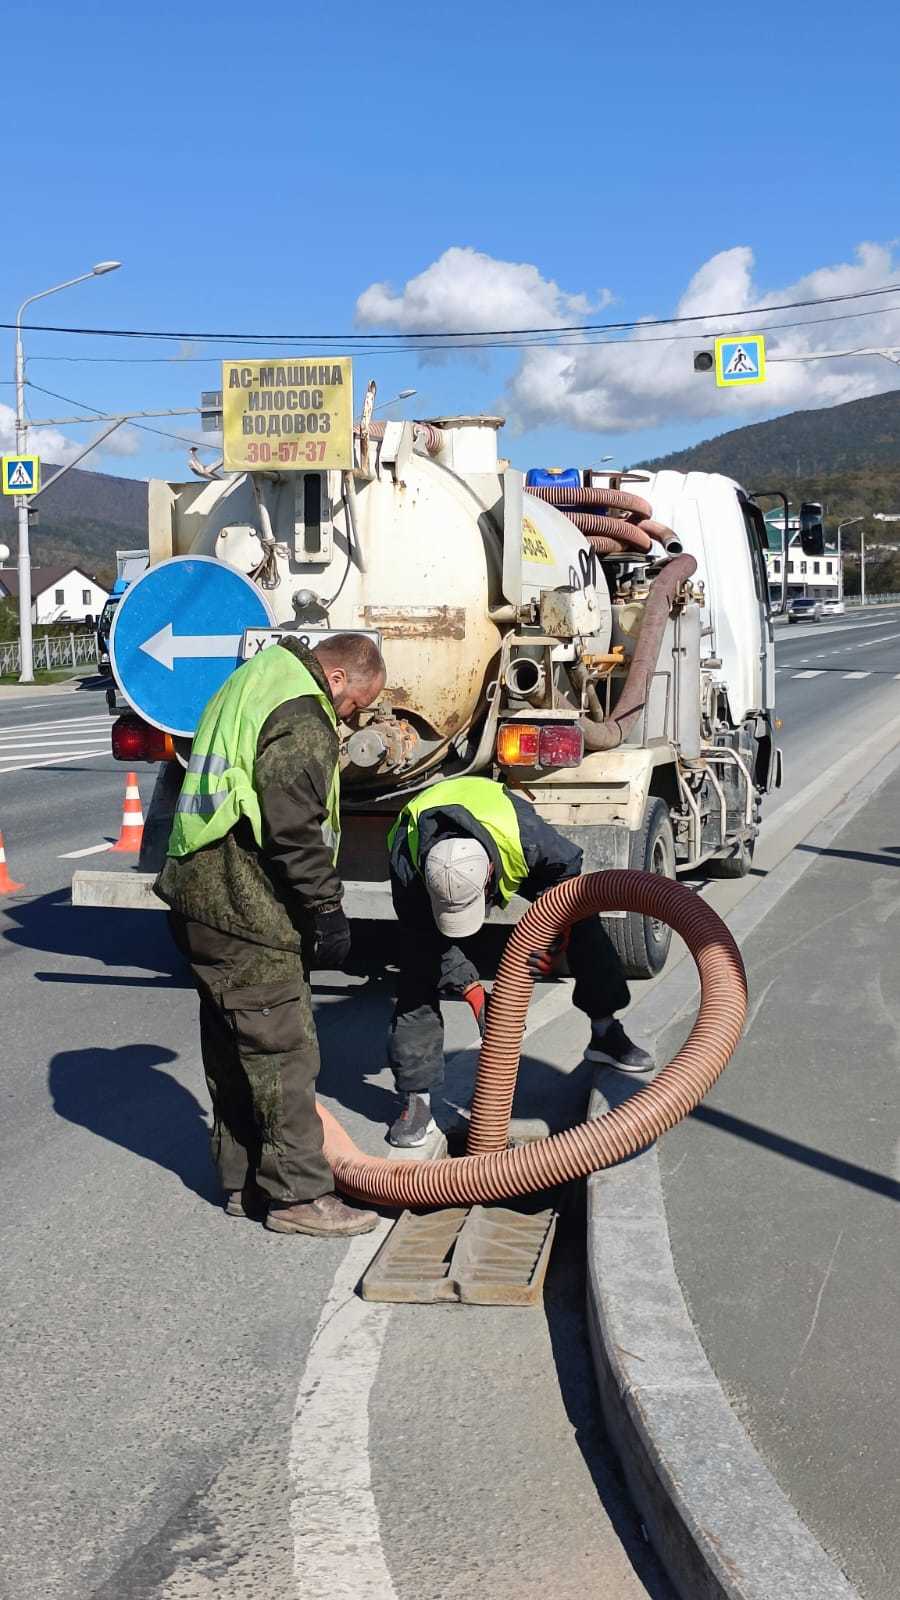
(889,856)
(805,1154)
(120,1095)
(114,938)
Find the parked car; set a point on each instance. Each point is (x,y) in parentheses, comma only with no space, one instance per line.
(804,609)
(104,624)
(833,608)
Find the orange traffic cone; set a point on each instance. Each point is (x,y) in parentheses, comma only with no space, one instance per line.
(132,818)
(6,883)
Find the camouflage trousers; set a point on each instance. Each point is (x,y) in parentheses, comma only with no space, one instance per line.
(261,1059)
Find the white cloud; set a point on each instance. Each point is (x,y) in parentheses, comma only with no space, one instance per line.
(467,289)
(641,381)
(56,447)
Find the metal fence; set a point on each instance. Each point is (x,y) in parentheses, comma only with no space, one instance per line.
(872,599)
(51,653)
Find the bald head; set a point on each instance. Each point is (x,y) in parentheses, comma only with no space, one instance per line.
(355,670)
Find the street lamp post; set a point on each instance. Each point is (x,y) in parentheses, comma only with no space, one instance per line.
(877,516)
(403,394)
(26,655)
(841,526)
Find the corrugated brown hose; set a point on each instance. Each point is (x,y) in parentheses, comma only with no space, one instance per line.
(634,530)
(492,1171)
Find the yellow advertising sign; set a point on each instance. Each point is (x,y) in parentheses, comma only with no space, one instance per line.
(534,545)
(292,415)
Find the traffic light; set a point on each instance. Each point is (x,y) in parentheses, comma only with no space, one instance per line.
(704,361)
(812,528)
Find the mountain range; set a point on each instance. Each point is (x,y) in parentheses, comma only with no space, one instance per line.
(846,456)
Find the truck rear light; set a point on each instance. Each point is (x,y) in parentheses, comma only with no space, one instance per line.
(562,746)
(523,744)
(134,740)
(518,744)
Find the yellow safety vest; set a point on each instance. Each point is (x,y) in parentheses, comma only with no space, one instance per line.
(219,786)
(490,805)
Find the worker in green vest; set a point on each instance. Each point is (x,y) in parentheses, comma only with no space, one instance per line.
(456,849)
(255,902)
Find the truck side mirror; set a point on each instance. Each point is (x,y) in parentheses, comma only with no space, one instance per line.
(812,528)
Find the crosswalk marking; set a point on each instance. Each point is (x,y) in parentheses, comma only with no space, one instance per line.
(815,673)
(60,741)
(856,674)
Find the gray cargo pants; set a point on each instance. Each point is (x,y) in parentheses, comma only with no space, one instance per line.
(261,1059)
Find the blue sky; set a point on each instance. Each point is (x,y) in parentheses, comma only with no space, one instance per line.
(263,169)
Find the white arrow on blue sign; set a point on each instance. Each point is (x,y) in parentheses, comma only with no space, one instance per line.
(176,637)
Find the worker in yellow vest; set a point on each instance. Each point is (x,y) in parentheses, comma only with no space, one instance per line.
(456,849)
(255,902)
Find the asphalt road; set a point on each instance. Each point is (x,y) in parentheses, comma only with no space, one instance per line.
(798,1144)
(202,1409)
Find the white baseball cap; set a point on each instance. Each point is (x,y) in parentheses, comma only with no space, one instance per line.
(456,874)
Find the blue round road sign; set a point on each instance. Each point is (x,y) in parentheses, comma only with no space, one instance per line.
(176,636)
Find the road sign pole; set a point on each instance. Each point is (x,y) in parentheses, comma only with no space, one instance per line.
(26,658)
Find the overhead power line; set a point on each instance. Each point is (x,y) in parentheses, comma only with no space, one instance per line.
(361,340)
(544,343)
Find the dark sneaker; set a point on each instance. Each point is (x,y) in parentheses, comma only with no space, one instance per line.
(251,1202)
(328,1217)
(613,1048)
(413,1125)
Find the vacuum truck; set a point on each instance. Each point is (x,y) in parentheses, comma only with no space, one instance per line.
(599,640)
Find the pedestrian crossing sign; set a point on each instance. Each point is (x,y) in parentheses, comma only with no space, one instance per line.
(21,474)
(740,360)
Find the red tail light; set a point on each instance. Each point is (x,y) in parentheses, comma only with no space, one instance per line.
(135,740)
(524,744)
(562,746)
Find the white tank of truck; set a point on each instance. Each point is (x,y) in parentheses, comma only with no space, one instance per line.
(602,641)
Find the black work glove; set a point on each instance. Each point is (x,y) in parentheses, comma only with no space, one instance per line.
(331,938)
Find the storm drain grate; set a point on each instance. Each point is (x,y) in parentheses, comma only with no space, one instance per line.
(480,1255)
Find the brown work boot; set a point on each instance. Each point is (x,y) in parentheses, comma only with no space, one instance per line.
(328,1216)
(250,1202)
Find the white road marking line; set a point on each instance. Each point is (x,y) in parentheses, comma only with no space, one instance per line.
(815,672)
(856,675)
(42,741)
(61,722)
(329,1464)
(334,1519)
(883,638)
(92,850)
(80,755)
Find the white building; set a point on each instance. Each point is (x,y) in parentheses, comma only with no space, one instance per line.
(817,576)
(58,594)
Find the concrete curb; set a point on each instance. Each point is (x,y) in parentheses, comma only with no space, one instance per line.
(713,1511)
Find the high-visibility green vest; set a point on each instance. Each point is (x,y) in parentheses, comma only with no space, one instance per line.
(219,786)
(490,805)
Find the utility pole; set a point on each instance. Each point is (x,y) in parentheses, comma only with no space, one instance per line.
(26,651)
(862,566)
(841,526)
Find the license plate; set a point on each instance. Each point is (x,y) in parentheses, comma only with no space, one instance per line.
(256,639)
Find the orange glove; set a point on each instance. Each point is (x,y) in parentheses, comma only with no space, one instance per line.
(476,998)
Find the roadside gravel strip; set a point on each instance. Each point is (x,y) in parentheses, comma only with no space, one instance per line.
(715,1514)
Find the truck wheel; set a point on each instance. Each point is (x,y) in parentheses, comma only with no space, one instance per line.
(642,943)
(735,865)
